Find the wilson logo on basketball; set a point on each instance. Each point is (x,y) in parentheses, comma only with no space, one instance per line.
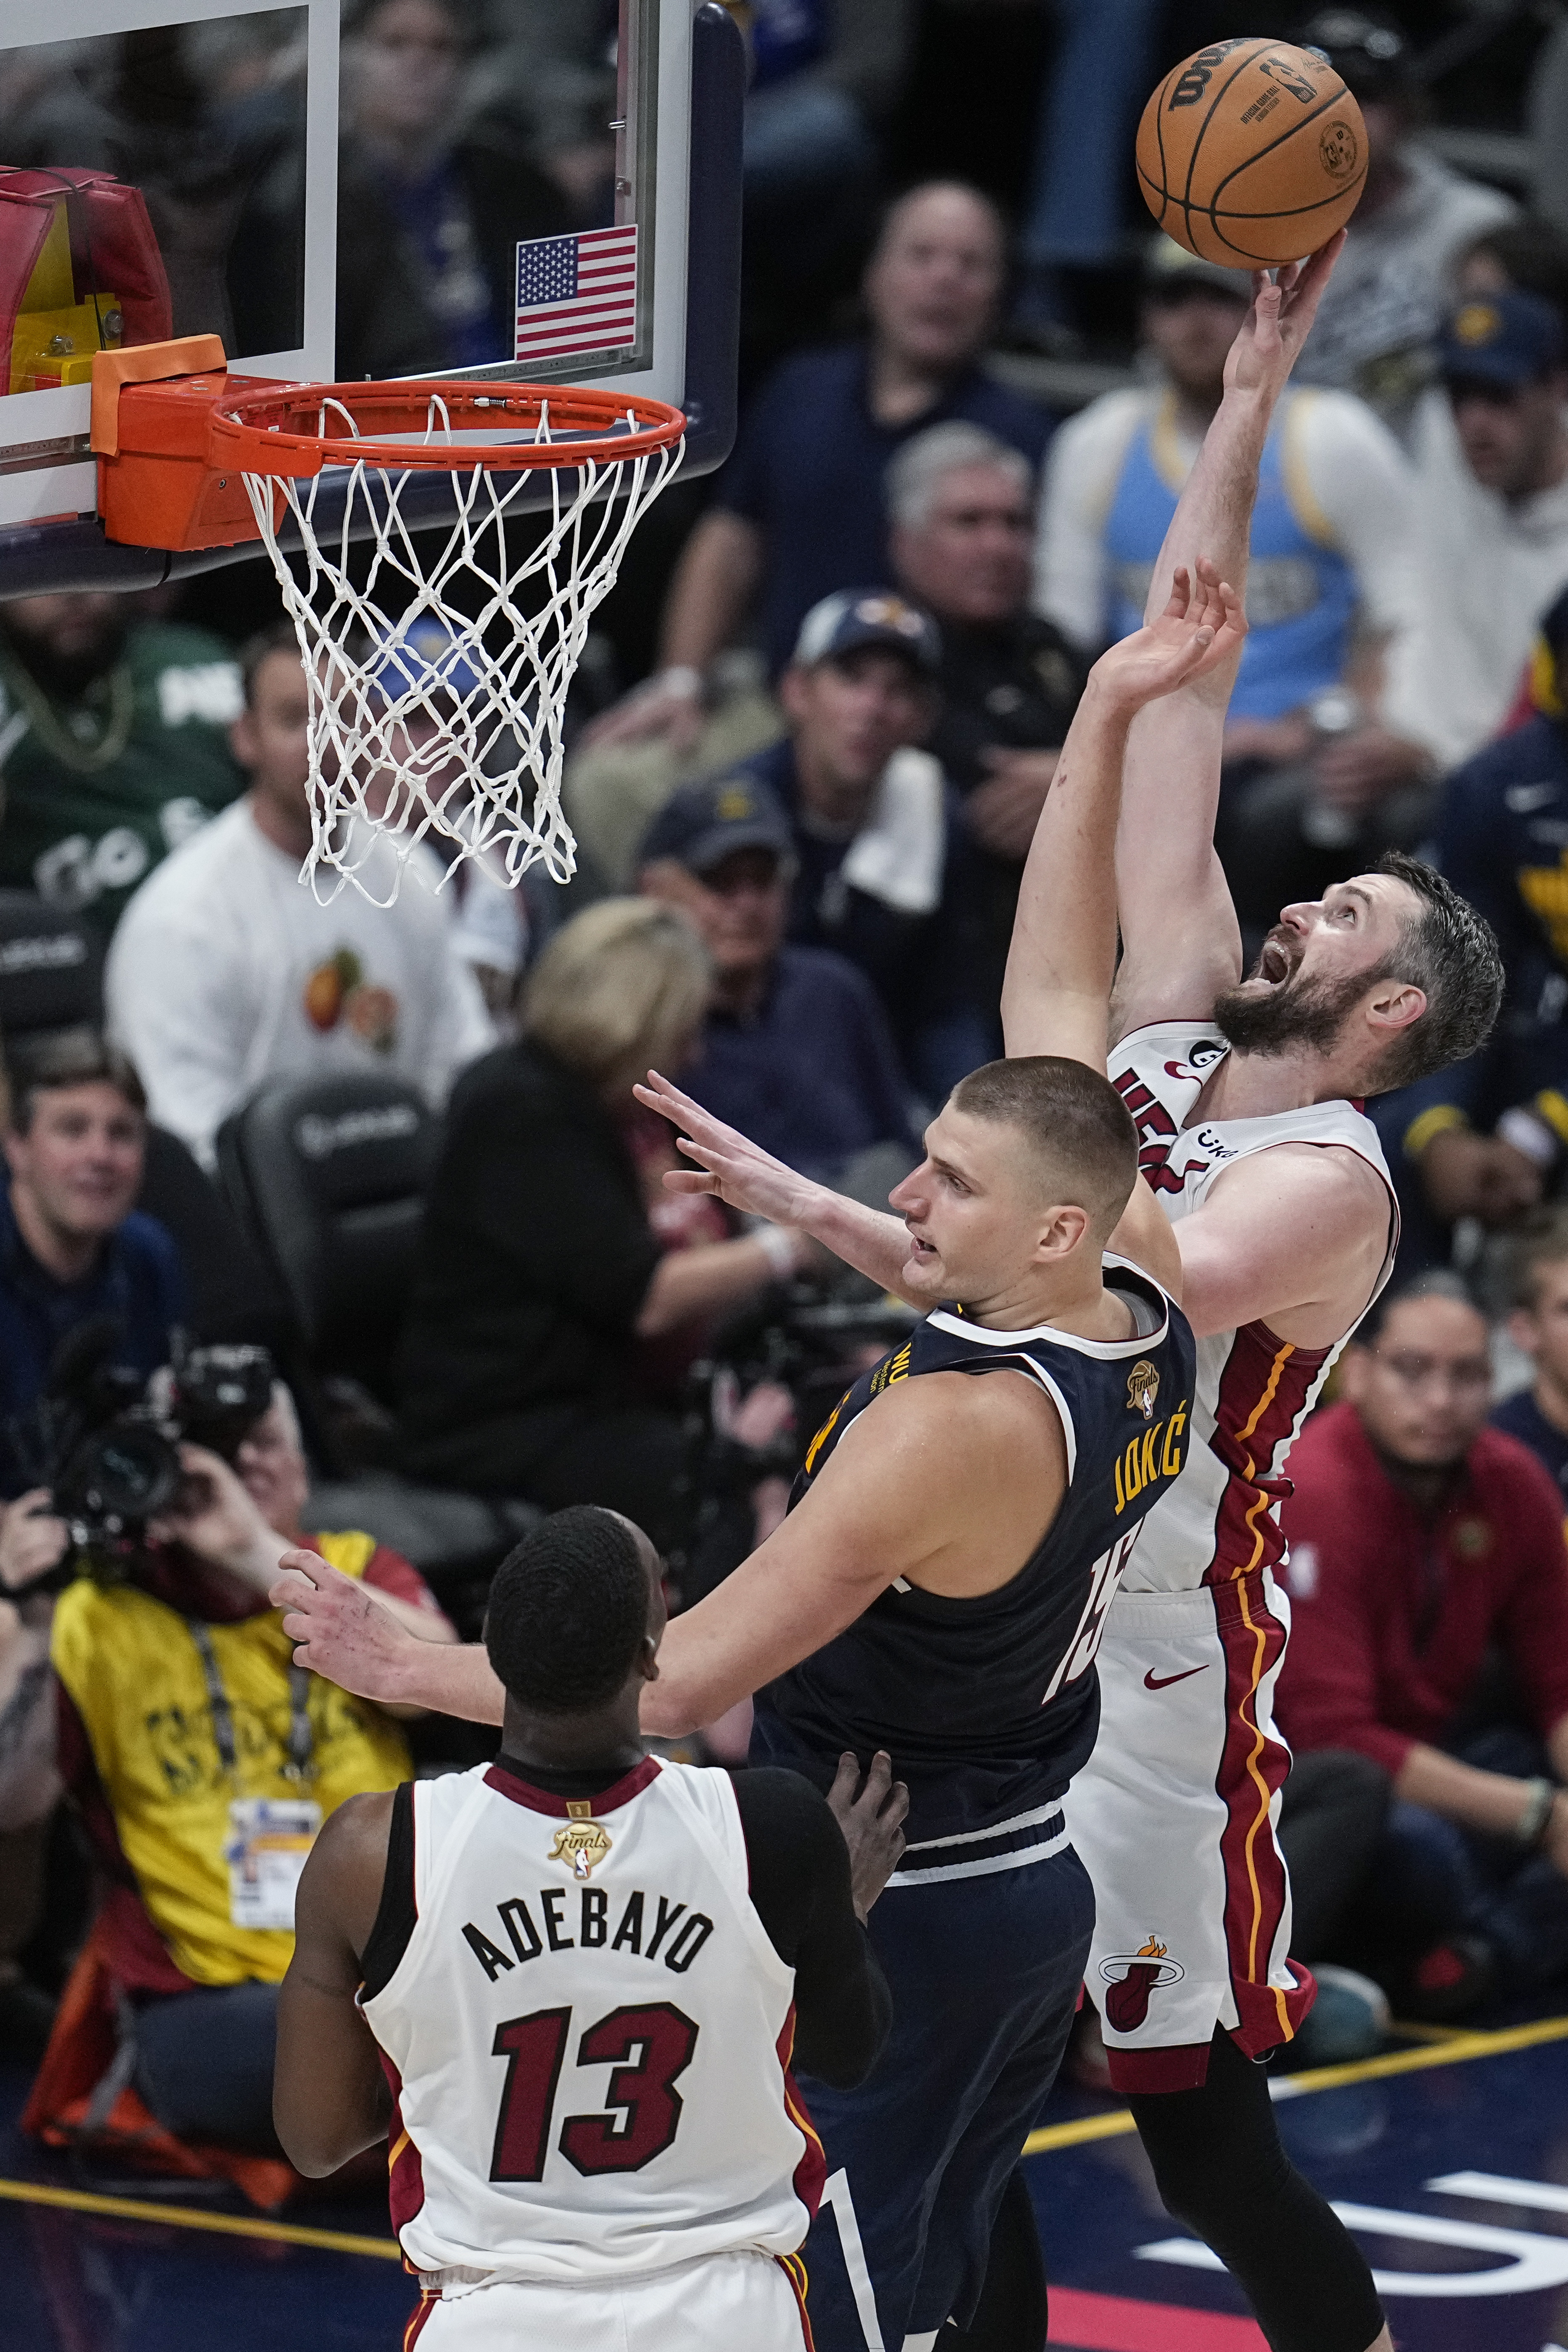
(1130,1977)
(1198,72)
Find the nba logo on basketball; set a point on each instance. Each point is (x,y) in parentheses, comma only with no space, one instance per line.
(1126,2002)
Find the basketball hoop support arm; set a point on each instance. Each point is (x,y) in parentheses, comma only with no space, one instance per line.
(151,428)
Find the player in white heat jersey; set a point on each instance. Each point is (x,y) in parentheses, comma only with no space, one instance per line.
(1246,1094)
(585,1970)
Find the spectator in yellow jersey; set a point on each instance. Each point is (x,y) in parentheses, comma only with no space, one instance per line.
(202,1762)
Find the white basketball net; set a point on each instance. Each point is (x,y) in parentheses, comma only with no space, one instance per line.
(467,745)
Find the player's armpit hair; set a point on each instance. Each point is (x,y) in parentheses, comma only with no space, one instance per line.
(1450,952)
(567,1613)
(1073,1120)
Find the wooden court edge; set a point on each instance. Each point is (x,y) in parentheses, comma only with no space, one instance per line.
(1463,2047)
(1448,2053)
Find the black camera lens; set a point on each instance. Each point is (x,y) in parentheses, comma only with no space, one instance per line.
(122,1476)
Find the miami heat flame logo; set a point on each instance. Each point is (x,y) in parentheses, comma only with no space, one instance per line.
(1130,1977)
(1143,1387)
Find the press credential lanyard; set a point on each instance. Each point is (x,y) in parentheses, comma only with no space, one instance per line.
(301,1739)
(269,1838)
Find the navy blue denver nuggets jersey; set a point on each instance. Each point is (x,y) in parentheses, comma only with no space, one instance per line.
(988,1706)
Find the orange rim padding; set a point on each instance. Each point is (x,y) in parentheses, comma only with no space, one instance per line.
(290,429)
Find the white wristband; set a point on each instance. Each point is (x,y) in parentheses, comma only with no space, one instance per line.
(779,1246)
(680,680)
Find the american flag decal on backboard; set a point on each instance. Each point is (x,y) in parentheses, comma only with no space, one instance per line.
(577,293)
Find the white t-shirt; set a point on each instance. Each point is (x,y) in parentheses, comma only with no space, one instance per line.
(1488,571)
(1394,281)
(1352,467)
(224,970)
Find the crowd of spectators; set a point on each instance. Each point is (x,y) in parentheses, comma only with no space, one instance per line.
(802,835)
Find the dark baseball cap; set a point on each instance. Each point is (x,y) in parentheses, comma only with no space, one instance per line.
(856,617)
(702,824)
(1367,50)
(1505,339)
(1170,272)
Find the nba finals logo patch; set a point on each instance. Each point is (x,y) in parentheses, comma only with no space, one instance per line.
(1143,1387)
(584,1842)
(1131,1978)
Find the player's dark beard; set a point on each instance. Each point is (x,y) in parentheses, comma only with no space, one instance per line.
(1298,1012)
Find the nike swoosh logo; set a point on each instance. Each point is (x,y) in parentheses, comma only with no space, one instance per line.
(1152,1681)
(1523,798)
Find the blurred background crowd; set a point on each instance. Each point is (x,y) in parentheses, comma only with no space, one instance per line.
(363,1193)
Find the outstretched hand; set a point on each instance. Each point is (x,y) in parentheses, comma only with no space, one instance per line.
(339,1630)
(1274,329)
(1202,626)
(870,1809)
(728,1164)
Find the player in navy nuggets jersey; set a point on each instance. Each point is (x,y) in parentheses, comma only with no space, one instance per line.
(939,1586)
(567,1986)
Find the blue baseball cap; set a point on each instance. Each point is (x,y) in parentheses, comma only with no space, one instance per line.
(422,655)
(855,617)
(1507,340)
(703,824)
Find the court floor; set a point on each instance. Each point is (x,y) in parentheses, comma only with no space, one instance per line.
(1448,2158)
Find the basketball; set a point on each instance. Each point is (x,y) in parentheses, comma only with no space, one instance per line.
(1252,154)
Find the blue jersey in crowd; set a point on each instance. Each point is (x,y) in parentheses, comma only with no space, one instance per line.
(988,1706)
(924,966)
(1300,592)
(138,1280)
(1522,1418)
(1503,844)
(809,467)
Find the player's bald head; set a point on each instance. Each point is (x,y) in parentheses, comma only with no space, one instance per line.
(1074,1136)
(570,1608)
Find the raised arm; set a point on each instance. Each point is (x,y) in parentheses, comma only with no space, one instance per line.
(734,1169)
(1056,997)
(927,1485)
(1180,940)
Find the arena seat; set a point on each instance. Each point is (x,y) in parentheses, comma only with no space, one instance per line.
(51,969)
(328,1175)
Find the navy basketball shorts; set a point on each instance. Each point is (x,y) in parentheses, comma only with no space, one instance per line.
(984,1960)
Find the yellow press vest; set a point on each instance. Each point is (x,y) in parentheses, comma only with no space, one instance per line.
(134,1674)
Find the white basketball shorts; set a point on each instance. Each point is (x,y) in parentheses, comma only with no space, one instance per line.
(1174,1818)
(722,2303)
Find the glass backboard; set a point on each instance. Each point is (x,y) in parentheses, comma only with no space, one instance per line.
(424,187)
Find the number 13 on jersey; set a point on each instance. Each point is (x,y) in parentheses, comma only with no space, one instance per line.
(649,2047)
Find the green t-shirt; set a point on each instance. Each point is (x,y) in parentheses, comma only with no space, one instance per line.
(95,792)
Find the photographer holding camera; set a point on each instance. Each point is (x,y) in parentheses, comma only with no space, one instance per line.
(202,1761)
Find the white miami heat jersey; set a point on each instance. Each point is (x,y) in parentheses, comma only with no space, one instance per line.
(589,2037)
(1221,1519)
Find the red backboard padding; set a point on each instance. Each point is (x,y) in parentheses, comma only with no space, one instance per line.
(113,250)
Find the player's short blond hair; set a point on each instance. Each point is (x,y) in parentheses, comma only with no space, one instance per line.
(621,988)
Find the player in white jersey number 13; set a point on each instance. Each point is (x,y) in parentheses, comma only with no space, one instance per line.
(1246,1093)
(568,1988)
